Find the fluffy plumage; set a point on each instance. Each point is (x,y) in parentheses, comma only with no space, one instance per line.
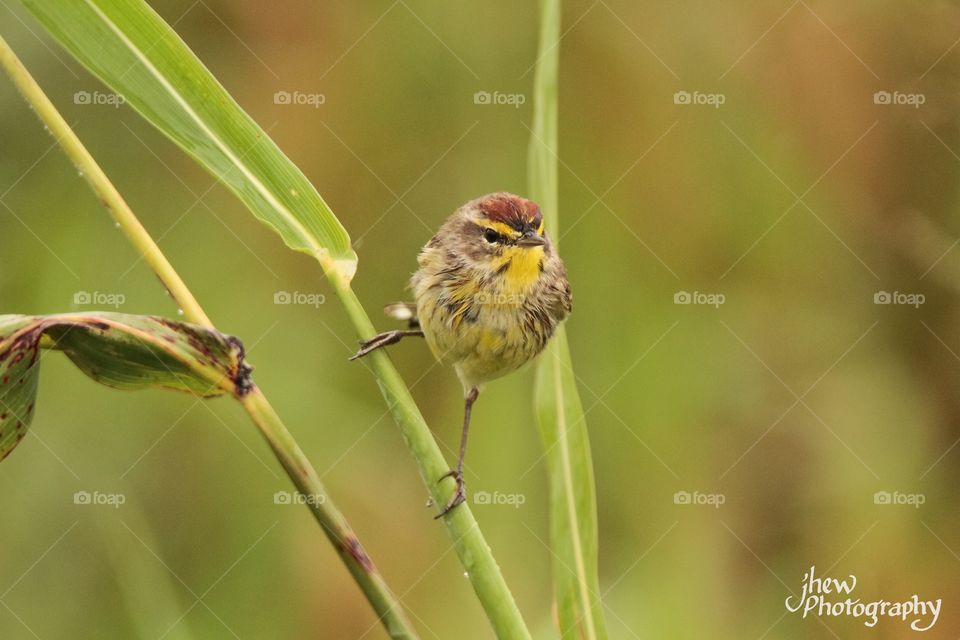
(490,292)
(487,307)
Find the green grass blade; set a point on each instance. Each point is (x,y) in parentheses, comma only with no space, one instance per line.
(131,49)
(118,350)
(100,33)
(301,472)
(573,513)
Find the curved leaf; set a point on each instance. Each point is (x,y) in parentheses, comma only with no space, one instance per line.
(115,349)
(131,49)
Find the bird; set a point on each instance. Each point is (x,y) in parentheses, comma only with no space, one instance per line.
(489,293)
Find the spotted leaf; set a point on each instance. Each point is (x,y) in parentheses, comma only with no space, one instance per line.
(118,350)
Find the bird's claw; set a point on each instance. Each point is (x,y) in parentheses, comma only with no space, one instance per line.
(374,343)
(459,496)
(384,339)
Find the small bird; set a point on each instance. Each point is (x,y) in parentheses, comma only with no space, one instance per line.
(489,293)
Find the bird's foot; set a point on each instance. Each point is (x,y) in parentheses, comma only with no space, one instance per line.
(384,339)
(459,496)
(377,341)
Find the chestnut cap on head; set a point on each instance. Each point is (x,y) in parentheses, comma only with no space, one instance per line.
(512,218)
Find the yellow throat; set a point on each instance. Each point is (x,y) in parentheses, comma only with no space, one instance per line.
(523,269)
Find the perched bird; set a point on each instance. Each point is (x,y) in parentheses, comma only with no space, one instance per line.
(489,293)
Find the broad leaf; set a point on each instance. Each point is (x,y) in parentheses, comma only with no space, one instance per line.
(131,49)
(118,350)
(573,509)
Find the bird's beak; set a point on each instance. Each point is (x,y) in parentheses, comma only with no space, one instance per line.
(530,239)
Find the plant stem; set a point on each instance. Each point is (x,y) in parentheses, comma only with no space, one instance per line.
(468,541)
(281,441)
(101,185)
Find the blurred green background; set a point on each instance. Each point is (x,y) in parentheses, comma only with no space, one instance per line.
(798,199)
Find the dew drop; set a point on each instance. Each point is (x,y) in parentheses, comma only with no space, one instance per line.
(80,173)
(466,574)
(179,312)
(116,224)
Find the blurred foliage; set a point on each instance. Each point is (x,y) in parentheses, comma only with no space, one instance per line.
(655,197)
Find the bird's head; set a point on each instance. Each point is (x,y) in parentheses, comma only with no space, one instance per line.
(504,233)
(504,220)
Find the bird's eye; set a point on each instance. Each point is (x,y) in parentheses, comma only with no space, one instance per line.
(491,236)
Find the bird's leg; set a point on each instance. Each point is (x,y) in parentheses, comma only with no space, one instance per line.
(457,474)
(383,339)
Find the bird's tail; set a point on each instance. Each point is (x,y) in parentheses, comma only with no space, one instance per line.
(403,311)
